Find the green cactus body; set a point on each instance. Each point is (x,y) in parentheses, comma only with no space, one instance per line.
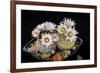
(65,44)
(46,49)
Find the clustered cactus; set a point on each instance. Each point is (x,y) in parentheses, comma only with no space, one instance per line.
(51,38)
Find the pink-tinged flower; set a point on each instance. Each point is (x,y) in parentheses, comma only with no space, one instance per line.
(47,26)
(46,39)
(35,33)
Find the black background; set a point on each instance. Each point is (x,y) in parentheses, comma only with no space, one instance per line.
(30,19)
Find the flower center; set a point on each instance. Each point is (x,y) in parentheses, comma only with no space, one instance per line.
(46,40)
(62,29)
(70,34)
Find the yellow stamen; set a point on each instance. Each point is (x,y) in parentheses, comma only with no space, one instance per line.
(62,29)
(46,40)
(70,34)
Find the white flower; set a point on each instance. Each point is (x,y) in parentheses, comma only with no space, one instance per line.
(68,22)
(47,26)
(71,34)
(46,39)
(61,28)
(39,27)
(55,37)
(35,33)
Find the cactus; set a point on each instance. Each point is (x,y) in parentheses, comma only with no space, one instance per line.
(46,49)
(65,44)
